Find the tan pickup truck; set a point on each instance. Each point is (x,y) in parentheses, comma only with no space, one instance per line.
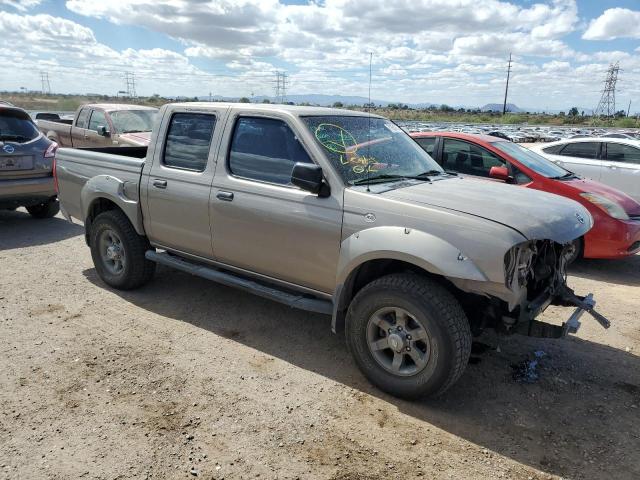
(101,125)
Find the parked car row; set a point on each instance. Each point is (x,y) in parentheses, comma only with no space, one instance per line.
(521,133)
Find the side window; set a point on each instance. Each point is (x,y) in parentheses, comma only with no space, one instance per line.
(98,119)
(581,150)
(188,141)
(464,157)
(554,150)
(265,149)
(618,152)
(428,144)
(83,118)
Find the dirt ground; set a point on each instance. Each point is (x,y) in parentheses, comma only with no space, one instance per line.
(186,378)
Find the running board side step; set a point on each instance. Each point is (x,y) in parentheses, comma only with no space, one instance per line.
(293,300)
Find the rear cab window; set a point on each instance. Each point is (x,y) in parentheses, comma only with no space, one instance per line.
(265,149)
(589,150)
(83,118)
(188,141)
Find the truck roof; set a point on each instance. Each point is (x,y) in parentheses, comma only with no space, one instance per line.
(292,109)
(113,107)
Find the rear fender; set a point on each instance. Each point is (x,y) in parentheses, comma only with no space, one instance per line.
(123,194)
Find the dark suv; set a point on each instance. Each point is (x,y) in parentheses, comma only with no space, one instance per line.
(26,160)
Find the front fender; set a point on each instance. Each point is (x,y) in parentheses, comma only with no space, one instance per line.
(422,249)
(123,194)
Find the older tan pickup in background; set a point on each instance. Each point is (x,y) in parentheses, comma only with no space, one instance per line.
(101,125)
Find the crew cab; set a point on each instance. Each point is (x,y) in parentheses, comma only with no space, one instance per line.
(335,212)
(100,125)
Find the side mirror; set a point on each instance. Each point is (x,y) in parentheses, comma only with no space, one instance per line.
(499,173)
(102,131)
(308,176)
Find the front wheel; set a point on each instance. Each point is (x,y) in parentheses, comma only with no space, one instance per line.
(408,335)
(118,251)
(47,209)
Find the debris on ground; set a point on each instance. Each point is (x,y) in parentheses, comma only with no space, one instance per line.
(527,370)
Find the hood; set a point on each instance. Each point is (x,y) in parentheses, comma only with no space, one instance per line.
(536,215)
(590,186)
(136,138)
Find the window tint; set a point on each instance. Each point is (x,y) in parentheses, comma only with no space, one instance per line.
(83,118)
(464,157)
(428,144)
(265,149)
(188,141)
(98,119)
(581,150)
(618,152)
(554,150)
(16,126)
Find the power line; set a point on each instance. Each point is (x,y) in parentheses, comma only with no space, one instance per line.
(281,87)
(607,104)
(506,89)
(46,85)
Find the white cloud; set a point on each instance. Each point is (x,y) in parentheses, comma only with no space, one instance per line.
(21,5)
(614,23)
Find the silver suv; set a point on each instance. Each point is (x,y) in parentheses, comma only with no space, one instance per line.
(26,160)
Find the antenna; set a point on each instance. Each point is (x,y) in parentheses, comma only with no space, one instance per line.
(506,89)
(369,120)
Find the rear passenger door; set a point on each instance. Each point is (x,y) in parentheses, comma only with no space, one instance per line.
(261,222)
(582,158)
(621,168)
(179,182)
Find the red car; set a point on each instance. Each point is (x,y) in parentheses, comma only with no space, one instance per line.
(616,230)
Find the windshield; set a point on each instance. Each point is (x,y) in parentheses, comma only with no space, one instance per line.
(16,126)
(129,121)
(532,160)
(359,146)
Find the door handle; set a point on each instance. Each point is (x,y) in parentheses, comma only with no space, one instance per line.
(225,196)
(160,183)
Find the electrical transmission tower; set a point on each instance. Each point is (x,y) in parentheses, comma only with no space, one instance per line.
(281,87)
(506,88)
(46,86)
(130,80)
(607,105)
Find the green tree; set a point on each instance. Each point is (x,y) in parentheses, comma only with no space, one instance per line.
(338,105)
(573,112)
(266,100)
(244,100)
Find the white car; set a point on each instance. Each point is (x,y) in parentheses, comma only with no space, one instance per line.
(612,161)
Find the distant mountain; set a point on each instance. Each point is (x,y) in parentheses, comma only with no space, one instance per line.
(497,107)
(317,99)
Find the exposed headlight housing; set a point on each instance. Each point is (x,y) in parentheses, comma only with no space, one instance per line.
(613,208)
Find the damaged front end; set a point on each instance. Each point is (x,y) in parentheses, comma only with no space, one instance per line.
(535,271)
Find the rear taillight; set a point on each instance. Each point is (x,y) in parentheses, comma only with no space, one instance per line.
(50,152)
(55,173)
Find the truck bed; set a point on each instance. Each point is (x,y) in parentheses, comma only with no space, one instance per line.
(77,166)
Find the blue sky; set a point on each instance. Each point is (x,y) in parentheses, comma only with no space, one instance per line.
(423,50)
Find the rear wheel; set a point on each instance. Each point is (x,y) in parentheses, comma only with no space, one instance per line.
(118,251)
(44,210)
(577,250)
(408,335)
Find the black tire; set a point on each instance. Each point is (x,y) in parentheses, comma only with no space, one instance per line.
(44,210)
(578,252)
(136,269)
(440,315)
